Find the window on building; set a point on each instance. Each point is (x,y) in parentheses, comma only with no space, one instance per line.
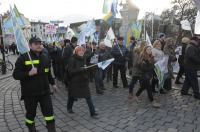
(40,27)
(34,30)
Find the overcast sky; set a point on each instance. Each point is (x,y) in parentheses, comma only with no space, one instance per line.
(74,10)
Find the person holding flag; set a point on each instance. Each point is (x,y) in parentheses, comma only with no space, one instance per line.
(120,53)
(99,73)
(79,83)
(33,69)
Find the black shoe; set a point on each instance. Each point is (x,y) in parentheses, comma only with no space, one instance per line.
(99,92)
(162,91)
(70,111)
(93,114)
(197,97)
(154,91)
(103,88)
(186,94)
(178,82)
(91,81)
(115,86)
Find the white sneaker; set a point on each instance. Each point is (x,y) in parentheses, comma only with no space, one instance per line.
(155,104)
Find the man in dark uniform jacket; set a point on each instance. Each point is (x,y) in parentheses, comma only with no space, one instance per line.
(35,76)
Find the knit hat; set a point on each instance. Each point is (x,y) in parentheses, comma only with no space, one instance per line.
(78,48)
(161,35)
(185,40)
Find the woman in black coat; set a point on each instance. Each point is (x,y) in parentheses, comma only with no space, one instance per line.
(146,63)
(79,81)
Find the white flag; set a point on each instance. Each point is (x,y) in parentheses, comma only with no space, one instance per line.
(185,24)
(197,24)
(70,33)
(81,39)
(109,37)
(104,64)
(148,40)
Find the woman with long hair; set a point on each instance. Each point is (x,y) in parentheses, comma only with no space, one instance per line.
(135,69)
(79,81)
(146,63)
(158,55)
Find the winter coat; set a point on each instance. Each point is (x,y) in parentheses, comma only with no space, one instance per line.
(181,57)
(136,68)
(67,53)
(103,55)
(120,54)
(192,57)
(170,51)
(38,84)
(157,54)
(79,81)
(147,69)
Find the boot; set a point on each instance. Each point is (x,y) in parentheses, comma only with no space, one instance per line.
(136,99)
(51,127)
(155,104)
(130,96)
(31,128)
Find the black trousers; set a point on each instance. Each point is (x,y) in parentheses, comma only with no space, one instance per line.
(145,84)
(133,82)
(31,103)
(154,82)
(122,70)
(180,73)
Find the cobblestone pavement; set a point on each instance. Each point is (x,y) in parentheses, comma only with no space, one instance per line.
(117,113)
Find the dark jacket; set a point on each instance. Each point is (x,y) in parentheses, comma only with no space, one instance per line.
(103,55)
(120,58)
(54,53)
(37,84)
(181,58)
(79,84)
(192,57)
(147,69)
(67,53)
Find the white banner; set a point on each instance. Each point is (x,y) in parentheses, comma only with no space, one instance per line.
(185,24)
(50,29)
(148,40)
(197,24)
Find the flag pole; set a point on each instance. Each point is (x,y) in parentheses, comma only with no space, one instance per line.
(91,65)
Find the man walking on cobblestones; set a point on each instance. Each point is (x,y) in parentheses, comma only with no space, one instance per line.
(35,77)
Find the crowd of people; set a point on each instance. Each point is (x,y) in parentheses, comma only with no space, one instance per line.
(75,67)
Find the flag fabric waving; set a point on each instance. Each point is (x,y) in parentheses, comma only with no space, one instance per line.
(110,16)
(109,37)
(127,36)
(106,6)
(104,64)
(136,29)
(22,44)
(148,40)
(197,24)
(8,22)
(69,34)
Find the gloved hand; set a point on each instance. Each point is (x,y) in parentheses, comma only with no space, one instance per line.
(33,71)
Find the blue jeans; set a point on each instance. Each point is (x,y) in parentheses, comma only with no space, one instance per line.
(191,80)
(99,75)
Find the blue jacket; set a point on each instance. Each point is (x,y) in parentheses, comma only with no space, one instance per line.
(120,56)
